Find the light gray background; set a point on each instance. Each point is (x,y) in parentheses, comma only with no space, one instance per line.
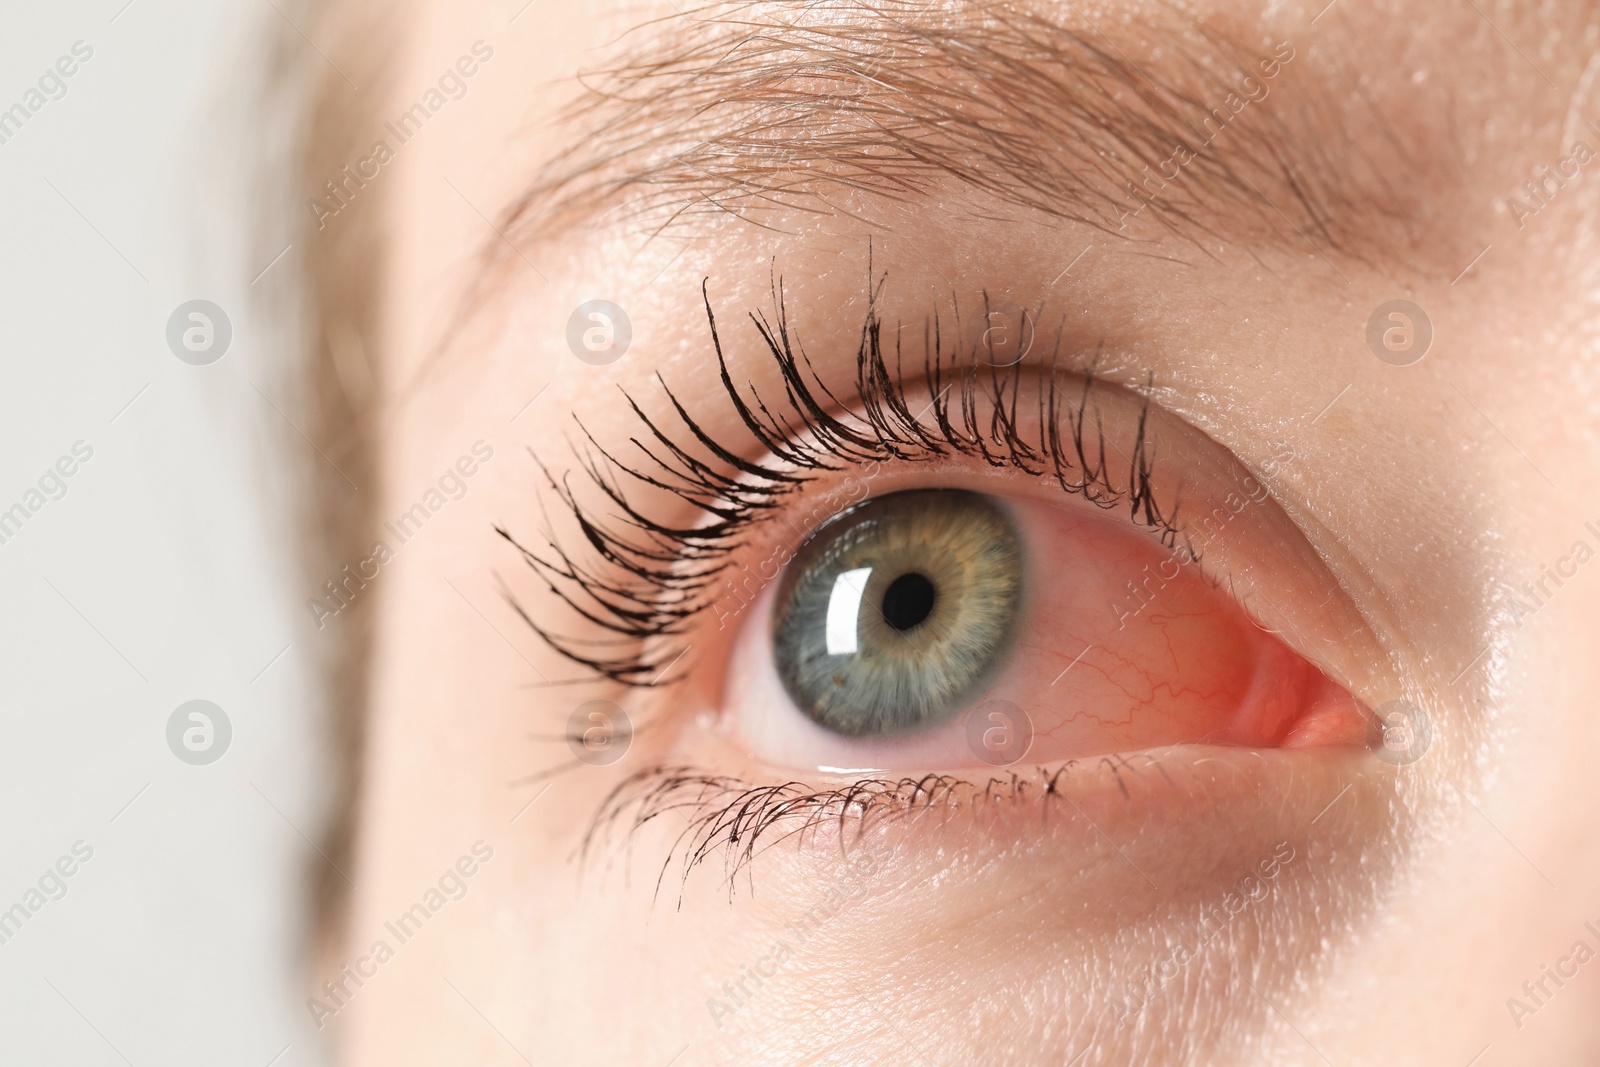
(164,573)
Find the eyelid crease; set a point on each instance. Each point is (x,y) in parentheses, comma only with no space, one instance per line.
(641,579)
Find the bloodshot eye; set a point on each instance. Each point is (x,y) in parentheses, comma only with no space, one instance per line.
(903,625)
(897,612)
(1044,548)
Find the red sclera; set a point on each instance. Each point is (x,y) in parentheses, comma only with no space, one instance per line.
(1126,644)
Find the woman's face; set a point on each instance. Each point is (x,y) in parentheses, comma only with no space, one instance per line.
(983,535)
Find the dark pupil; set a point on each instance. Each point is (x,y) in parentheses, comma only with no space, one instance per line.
(908,601)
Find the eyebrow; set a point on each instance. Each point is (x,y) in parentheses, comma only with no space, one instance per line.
(762,110)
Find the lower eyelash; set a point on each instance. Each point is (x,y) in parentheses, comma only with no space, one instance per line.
(640,579)
(740,820)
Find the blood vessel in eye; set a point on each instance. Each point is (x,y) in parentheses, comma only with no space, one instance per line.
(1132,645)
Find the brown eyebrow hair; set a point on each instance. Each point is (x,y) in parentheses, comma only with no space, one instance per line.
(763,109)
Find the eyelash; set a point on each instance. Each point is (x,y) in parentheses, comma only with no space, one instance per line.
(734,817)
(662,575)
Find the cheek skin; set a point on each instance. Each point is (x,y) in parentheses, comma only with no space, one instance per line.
(988,908)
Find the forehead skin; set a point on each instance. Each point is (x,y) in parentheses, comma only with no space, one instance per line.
(1401,137)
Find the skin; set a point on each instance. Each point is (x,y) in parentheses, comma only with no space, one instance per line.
(1412,908)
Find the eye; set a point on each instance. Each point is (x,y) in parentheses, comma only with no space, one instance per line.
(942,628)
(968,613)
(984,563)
(897,611)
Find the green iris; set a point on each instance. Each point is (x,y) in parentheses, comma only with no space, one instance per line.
(893,614)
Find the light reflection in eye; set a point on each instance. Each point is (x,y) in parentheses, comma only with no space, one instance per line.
(844,607)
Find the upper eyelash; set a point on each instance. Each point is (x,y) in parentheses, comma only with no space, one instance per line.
(640,579)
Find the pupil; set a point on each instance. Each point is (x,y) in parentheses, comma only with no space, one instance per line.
(908,601)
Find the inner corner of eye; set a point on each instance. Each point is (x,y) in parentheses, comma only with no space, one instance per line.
(940,629)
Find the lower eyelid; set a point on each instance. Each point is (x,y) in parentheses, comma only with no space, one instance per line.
(1138,819)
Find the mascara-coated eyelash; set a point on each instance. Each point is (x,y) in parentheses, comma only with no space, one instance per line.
(642,579)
